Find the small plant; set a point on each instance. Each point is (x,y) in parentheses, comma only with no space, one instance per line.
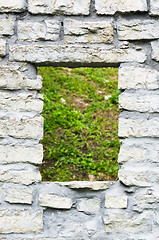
(80,124)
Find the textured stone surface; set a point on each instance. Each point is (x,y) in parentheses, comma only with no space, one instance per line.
(74,54)
(109,7)
(155,50)
(12,6)
(88,32)
(21,101)
(131,154)
(54,201)
(88,205)
(21,127)
(17,221)
(138,77)
(154,7)
(133,178)
(69,7)
(138,127)
(19,80)
(123,222)
(34,31)
(6,27)
(20,176)
(142,101)
(137,29)
(98,185)
(2,48)
(116,201)
(21,154)
(18,195)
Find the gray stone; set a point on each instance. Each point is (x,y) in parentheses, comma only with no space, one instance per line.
(116,201)
(2,48)
(154,7)
(138,78)
(6,27)
(17,221)
(74,54)
(54,201)
(21,154)
(110,7)
(95,186)
(18,195)
(69,7)
(137,29)
(88,205)
(88,32)
(12,6)
(155,50)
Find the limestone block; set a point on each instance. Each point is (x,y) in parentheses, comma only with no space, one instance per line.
(18,195)
(66,7)
(21,101)
(12,78)
(116,201)
(131,154)
(138,127)
(21,154)
(24,127)
(133,178)
(54,201)
(142,101)
(34,31)
(110,7)
(145,201)
(21,221)
(74,54)
(155,50)
(138,78)
(88,32)
(137,29)
(6,27)
(25,177)
(88,205)
(12,6)
(125,223)
(95,186)
(2,48)
(154,7)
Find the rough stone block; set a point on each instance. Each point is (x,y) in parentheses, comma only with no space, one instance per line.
(12,78)
(125,223)
(35,31)
(154,7)
(18,195)
(138,77)
(74,54)
(22,127)
(116,201)
(88,205)
(95,186)
(21,154)
(12,6)
(2,48)
(69,7)
(144,202)
(21,221)
(137,29)
(110,7)
(138,127)
(88,32)
(142,101)
(54,201)
(131,154)
(133,178)
(18,101)
(155,50)
(25,177)
(6,27)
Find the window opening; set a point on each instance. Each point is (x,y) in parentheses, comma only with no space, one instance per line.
(80,124)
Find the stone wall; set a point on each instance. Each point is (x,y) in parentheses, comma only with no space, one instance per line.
(74,33)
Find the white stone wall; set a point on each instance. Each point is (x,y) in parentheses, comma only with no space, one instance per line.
(74,33)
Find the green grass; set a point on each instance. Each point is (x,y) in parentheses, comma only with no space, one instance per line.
(80,125)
